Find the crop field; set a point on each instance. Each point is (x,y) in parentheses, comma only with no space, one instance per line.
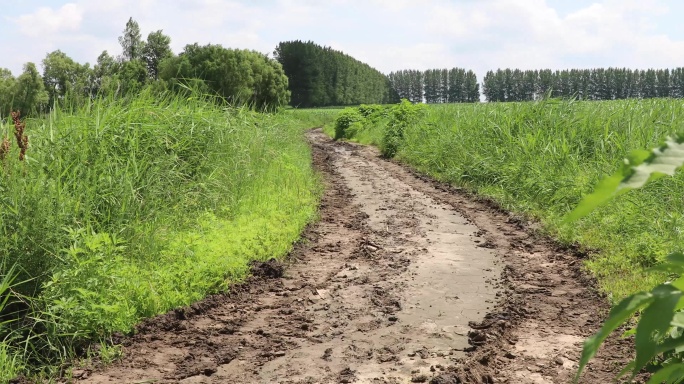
(540,159)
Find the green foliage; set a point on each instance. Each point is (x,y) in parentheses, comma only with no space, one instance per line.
(660,327)
(131,77)
(66,79)
(131,42)
(344,121)
(30,96)
(321,76)
(586,84)
(455,85)
(402,116)
(376,124)
(167,199)
(241,77)
(156,49)
(373,112)
(638,169)
(8,84)
(11,363)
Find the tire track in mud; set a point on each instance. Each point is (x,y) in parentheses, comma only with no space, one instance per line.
(398,282)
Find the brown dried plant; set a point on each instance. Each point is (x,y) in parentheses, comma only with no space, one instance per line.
(22,140)
(4,148)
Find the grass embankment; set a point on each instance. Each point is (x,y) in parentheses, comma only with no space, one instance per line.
(125,209)
(540,159)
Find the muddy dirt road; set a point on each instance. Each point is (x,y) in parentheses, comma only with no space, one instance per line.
(402,280)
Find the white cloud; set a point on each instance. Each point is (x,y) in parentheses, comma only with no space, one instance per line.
(46,21)
(388,34)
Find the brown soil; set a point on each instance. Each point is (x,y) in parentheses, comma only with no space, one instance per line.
(402,280)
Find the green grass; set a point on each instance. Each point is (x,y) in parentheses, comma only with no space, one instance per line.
(316,117)
(127,208)
(540,159)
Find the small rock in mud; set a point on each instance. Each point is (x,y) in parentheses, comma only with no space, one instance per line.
(448,378)
(271,269)
(327,354)
(346,376)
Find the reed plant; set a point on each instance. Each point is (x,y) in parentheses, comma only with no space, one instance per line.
(126,208)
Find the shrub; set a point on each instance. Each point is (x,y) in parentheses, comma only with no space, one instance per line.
(402,115)
(344,120)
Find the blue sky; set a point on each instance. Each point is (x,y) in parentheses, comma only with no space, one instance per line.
(388,34)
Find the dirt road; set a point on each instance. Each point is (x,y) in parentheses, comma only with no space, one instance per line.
(402,280)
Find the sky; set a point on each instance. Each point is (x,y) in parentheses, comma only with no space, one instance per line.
(389,35)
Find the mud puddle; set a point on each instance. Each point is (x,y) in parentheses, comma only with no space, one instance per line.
(399,282)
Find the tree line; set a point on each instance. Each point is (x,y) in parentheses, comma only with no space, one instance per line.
(454,85)
(321,76)
(237,76)
(583,84)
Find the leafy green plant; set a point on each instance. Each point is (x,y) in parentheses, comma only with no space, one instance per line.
(659,334)
(402,116)
(344,120)
(11,363)
(373,112)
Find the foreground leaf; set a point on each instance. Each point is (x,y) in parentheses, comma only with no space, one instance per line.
(618,315)
(639,168)
(670,374)
(655,320)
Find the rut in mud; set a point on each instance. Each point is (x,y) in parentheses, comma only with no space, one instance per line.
(402,280)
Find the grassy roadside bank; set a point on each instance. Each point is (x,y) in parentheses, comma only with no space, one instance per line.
(125,209)
(539,159)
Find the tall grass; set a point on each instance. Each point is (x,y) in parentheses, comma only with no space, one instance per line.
(540,158)
(127,208)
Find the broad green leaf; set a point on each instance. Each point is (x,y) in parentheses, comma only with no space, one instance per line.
(654,320)
(641,166)
(675,258)
(678,320)
(664,161)
(604,191)
(618,315)
(670,345)
(673,263)
(669,374)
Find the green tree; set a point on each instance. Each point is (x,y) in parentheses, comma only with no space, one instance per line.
(8,86)
(157,48)
(416,86)
(66,79)
(456,86)
(239,76)
(649,84)
(320,76)
(472,88)
(131,77)
(30,97)
(131,42)
(105,80)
